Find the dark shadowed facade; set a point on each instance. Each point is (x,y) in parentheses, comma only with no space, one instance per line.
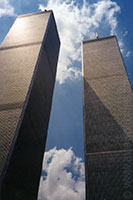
(28,60)
(108,122)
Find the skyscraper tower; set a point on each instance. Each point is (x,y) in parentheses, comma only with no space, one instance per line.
(108,122)
(28,60)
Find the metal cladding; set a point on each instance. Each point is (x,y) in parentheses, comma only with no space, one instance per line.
(108,122)
(28,60)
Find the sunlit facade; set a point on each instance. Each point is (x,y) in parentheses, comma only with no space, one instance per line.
(108,122)
(28,61)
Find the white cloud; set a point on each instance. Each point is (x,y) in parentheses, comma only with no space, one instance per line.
(76,23)
(6,8)
(128,53)
(107,10)
(121,45)
(124,51)
(125,33)
(63,177)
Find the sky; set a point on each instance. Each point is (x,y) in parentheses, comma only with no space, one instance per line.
(63,175)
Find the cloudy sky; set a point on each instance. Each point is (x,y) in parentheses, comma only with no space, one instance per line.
(63,167)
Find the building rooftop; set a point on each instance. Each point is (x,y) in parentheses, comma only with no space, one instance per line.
(38,13)
(97,39)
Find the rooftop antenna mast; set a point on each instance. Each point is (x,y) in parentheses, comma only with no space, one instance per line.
(97,36)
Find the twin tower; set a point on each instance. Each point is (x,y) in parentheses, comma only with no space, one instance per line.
(28,60)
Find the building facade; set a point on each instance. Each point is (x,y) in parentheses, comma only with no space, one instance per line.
(108,122)
(28,61)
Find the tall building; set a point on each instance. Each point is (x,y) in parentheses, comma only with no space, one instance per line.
(28,60)
(108,122)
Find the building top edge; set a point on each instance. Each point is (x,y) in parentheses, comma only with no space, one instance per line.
(37,13)
(97,39)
